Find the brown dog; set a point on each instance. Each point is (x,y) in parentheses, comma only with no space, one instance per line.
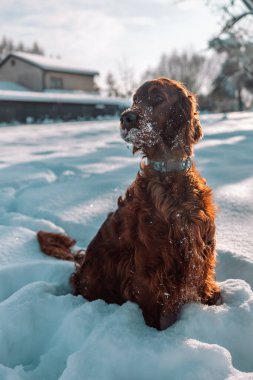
(158,248)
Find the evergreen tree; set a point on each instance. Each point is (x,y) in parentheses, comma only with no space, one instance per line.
(36,49)
(236,73)
(7,46)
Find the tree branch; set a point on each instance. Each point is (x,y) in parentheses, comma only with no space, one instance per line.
(234,20)
(248,4)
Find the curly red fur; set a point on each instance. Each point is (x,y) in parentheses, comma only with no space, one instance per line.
(158,248)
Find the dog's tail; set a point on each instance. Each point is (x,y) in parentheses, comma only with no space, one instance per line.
(59,246)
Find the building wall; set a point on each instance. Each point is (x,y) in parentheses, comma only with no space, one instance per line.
(17,71)
(32,111)
(69,81)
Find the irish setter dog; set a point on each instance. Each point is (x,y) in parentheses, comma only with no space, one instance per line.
(158,248)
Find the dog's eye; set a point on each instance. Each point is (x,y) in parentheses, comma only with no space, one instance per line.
(158,99)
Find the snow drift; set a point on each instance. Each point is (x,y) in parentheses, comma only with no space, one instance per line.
(65,178)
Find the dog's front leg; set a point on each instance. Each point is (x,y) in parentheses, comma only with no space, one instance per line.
(167,319)
(155,315)
(157,311)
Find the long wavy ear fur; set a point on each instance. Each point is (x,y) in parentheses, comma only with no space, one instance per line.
(197,131)
(189,106)
(185,114)
(183,119)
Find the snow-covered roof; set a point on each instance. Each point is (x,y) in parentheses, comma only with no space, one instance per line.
(51,64)
(11,86)
(60,97)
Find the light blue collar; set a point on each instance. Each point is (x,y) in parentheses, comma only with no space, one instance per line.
(170,166)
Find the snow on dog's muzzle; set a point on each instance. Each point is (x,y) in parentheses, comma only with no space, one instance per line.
(138,130)
(140,137)
(128,126)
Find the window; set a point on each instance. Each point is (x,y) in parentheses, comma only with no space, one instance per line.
(13,62)
(56,82)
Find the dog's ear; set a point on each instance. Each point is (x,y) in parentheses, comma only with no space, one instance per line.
(197,131)
(189,105)
(184,128)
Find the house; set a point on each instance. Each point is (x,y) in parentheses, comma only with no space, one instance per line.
(40,73)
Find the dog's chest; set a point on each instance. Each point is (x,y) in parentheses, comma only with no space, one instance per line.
(153,207)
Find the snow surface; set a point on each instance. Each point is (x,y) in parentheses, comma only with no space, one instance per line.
(66,177)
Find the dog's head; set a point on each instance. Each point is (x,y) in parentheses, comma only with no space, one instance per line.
(163,120)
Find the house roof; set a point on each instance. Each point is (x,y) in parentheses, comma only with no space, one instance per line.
(11,86)
(60,97)
(50,64)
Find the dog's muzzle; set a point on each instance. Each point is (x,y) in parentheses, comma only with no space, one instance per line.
(137,130)
(128,120)
(128,125)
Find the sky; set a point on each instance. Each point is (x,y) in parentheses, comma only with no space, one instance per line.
(102,34)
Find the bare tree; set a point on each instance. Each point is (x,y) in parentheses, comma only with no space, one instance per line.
(196,71)
(127,81)
(233,12)
(232,86)
(111,85)
(234,18)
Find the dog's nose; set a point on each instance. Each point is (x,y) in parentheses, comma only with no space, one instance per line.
(128,118)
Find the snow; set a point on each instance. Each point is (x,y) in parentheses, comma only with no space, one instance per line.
(66,178)
(53,64)
(61,97)
(11,86)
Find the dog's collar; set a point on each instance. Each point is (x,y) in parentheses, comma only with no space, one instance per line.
(169,166)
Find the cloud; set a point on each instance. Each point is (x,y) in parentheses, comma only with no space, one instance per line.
(72,30)
(140,21)
(98,33)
